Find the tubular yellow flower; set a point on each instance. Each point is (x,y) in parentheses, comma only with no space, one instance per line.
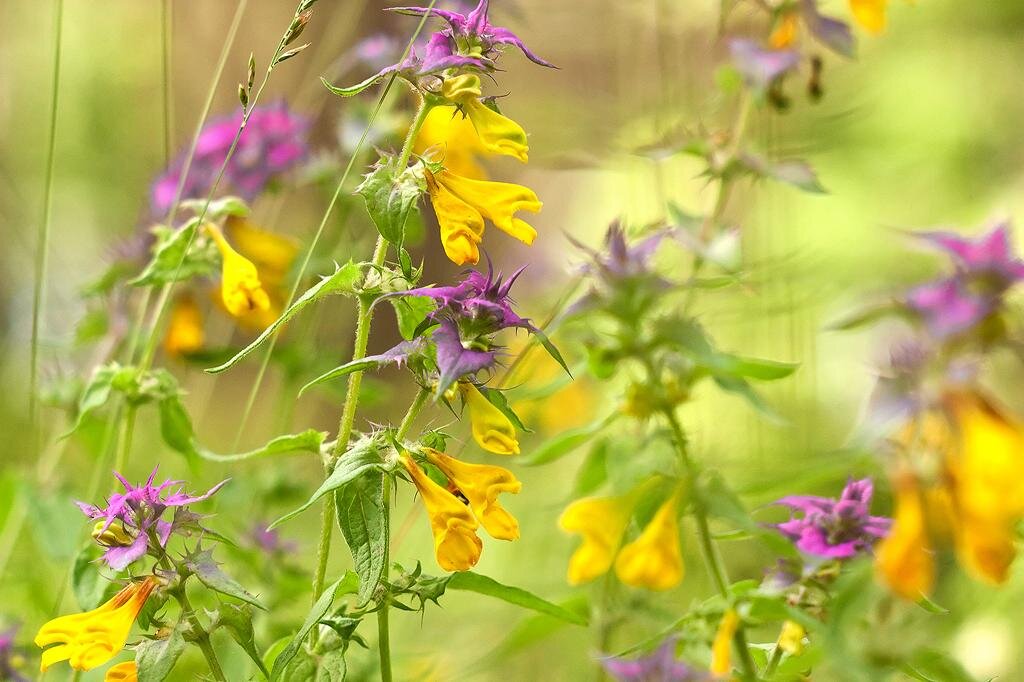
(272,254)
(498,134)
(791,637)
(241,289)
(870,14)
(492,430)
(721,647)
(601,521)
(185,329)
(456,544)
(654,560)
(785,30)
(481,484)
(455,139)
(461,226)
(88,640)
(123,672)
(904,559)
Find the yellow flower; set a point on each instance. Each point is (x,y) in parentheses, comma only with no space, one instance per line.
(721,647)
(905,557)
(462,204)
(654,560)
(88,640)
(481,484)
(870,14)
(791,637)
(123,672)
(455,139)
(492,430)
(185,329)
(601,521)
(272,254)
(785,30)
(456,544)
(498,134)
(240,287)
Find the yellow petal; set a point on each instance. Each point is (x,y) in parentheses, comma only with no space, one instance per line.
(496,201)
(492,430)
(904,558)
(241,289)
(481,484)
(185,328)
(456,545)
(498,134)
(721,647)
(601,521)
(272,254)
(870,14)
(461,225)
(455,140)
(123,672)
(785,30)
(791,637)
(654,560)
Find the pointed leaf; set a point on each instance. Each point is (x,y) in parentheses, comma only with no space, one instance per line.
(363,519)
(208,572)
(155,658)
(352,89)
(310,440)
(567,441)
(481,584)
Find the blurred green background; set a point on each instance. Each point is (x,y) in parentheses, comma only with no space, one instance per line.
(922,129)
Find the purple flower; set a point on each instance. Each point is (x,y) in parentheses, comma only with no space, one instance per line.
(832,32)
(835,529)
(948,307)
(8,655)
(134,518)
(273,142)
(660,665)
(758,66)
(990,256)
(270,541)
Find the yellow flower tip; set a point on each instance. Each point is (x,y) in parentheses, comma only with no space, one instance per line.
(791,637)
(481,484)
(185,329)
(869,14)
(498,134)
(241,289)
(448,137)
(122,672)
(456,544)
(721,647)
(88,640)
(601,521)
(273,254)
(492,430)
(785,31)
(654,560)
(904,559)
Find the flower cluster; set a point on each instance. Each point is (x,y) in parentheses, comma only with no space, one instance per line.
(835,529)
(273,142)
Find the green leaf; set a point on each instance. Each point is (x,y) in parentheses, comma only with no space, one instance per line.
(352,89)
(362,458)
(309,440)
(155,658)
(237,620)
(208,572)
(390,194)
(363,519)
(567,441)
(932,607)
(743,389)
(411,311)
(95,394)
(176,428)
(218,208)
(754,368)
(347,584)
(594,471)
(173,257)
(332,667)
(932,665)
(342,281)
(90,587)
(500,401)
(551,349)
(867,315)
(474,582)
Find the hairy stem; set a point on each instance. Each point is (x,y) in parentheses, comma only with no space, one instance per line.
(202,637)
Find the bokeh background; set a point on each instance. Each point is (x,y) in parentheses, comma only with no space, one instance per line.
(922,129)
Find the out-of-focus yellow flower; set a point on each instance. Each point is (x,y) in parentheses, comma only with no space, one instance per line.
(785,30)
(492,430)
(654,560)
(462,204)
(123,672)
(88,640)
(185,328)
(601,521)
(481,484)
(498,134)
(455,139)
(272,254)
(240,287)
(791,637)
(456,544)
(721,647)
(569,404)
(905,558)
(870,14)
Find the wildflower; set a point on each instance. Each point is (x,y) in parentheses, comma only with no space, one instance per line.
(758,66)
(835,529)
(274,141)
(462,204)
(185,329)
(241,289)
(269,541)
(791,637)
(870,14)
(132,520)
(721,647)
(654,560)
(492,430)
(498,134)
(905,558)
(123,672)
(273,255)
(88,640)
(602,522)
(456,544)
(832,32)
(457,142)
(660,665)
(481,484)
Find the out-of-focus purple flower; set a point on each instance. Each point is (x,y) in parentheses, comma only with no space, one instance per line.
(8,655)
(832,32)
(990,256)
(948,307)
(270,541)
(758,66)
(835,529)
(274,141)
(660,665)
(138,514)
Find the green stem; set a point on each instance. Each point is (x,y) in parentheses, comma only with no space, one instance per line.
(202,637)
(773,662)
(126,439)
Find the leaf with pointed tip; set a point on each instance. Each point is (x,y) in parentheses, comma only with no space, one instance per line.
(390,194)
(237,620)
(309,440)
(352,89)
(567,441)
(397,355)
(363,518)
(155,658)
(208,572)
(481,584)
(500,401)
(173,257)
(95,394)
(342,281)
